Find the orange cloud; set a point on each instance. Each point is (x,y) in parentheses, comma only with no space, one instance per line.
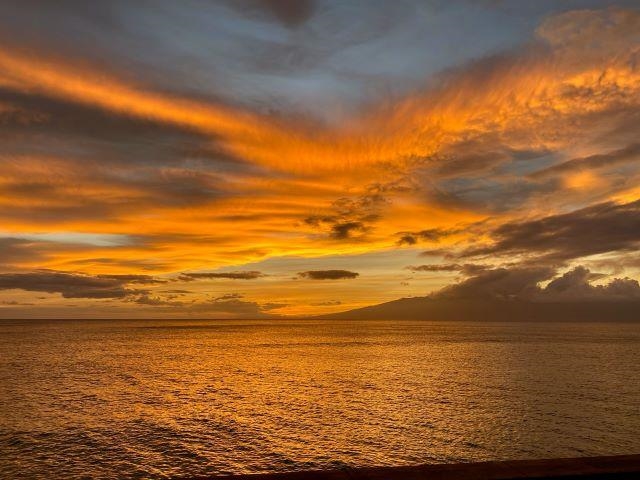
(319,190)
(523,98)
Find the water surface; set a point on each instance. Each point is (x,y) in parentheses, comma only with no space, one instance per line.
(154,399)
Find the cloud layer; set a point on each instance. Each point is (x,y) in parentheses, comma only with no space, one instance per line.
(261,142)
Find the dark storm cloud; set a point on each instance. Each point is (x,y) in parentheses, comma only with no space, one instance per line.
(628,154)
(523,283)
(575,284)
(328,274)
(499,283)
(242,275)
(515,294)
(601,228)
(69,285)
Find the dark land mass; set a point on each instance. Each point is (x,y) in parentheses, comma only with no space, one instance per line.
(428,308)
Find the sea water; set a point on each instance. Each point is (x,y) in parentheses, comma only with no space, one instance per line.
(154,399)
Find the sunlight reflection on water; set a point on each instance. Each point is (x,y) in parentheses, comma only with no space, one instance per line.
(161,398)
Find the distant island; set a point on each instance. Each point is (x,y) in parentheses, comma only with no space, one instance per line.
(504,294)
(431,308)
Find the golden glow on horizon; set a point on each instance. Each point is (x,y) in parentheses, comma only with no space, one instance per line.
(539,102)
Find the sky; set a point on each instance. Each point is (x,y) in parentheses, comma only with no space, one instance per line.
(259,158)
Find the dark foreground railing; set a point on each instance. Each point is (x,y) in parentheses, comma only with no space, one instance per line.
(586,468)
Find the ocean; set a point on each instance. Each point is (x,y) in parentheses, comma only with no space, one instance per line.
(168,398)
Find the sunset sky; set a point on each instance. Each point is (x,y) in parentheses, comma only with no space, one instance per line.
(251,158)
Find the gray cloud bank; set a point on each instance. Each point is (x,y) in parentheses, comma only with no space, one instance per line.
(74,285)
(530,285)
(522,283)
(119,287)
(504,294)
(600,228)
